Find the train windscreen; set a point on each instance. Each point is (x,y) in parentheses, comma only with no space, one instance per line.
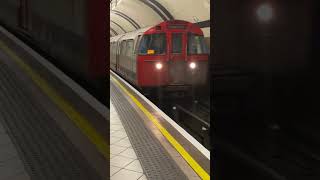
(196,44)
(154,44)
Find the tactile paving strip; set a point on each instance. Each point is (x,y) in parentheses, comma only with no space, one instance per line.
(155,160)
(46,152)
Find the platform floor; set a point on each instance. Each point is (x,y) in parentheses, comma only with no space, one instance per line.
(11,166)
(124,163)
(157,158)
(32,142)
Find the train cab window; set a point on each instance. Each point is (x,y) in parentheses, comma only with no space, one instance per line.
(153,44)
(176,42)
(196,44)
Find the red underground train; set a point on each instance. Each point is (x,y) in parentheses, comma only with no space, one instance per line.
(171,55)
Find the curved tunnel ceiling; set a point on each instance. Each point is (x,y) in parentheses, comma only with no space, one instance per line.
(129,15)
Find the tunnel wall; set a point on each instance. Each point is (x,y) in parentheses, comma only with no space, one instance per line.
(71,34)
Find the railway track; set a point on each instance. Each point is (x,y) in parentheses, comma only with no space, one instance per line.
(192,115)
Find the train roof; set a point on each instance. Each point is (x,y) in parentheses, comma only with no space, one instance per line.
(133,34)
(130,35)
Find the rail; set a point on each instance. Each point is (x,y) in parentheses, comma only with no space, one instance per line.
(196,124)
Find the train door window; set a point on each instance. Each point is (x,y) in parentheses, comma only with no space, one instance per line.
(176,43)
(129,48)
(137,44)
(153,44)
(114,48)
(123,48)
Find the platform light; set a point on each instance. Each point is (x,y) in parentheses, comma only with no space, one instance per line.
(265,12)
(192,65)
(159,66)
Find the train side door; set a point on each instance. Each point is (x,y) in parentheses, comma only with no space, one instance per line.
(23,14)
(129,58)
(135,57)
(117,55)
(122,56)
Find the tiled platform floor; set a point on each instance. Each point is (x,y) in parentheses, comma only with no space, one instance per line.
(124,163)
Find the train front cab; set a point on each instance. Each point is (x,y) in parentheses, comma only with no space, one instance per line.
(173,56)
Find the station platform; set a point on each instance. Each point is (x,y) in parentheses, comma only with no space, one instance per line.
(48,124)
(146,143)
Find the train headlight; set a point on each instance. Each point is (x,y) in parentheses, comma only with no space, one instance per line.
(265,12)
(192,65)
(159,66)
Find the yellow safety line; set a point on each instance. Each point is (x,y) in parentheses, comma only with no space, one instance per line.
(66,107)
(195,166)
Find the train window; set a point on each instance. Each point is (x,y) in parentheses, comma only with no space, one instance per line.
(111,47)
(129,48)
(196,44)
(123,48)
(114,47)
(176,41)
(153,43)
